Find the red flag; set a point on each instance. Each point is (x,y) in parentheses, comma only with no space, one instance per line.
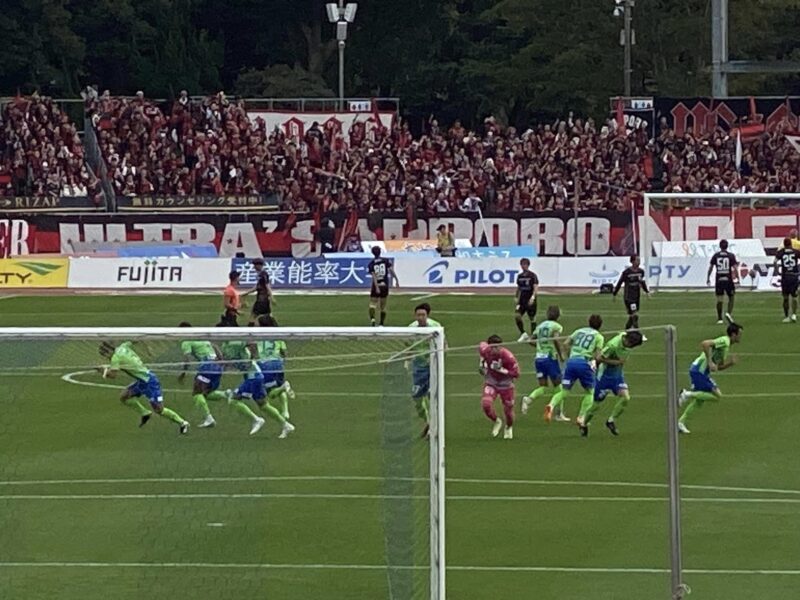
(349,228)
(620,117)
(411,216)
(289,225)
(376,115)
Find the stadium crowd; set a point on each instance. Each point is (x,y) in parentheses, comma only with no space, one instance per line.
(211,146)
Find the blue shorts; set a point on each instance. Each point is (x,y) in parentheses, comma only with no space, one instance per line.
(272,371)
(578,369)
(548,368)
(421,382)
(609,384)
(701,382)
(252,389)
(210,373)
(150,389)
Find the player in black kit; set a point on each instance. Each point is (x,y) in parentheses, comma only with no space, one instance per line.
(381,270)
(725,264)
(527,286)
(788,260)
(263,292)
(634,280)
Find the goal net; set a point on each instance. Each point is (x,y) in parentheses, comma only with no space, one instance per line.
(349,504)
(679,233)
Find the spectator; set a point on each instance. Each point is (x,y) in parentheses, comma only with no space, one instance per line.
(445,241)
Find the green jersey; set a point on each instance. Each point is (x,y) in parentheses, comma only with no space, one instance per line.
(269,349)
(199,350)
(545,332)
(614,350)
(239,352)
(422,359)
(126,360)
(719,353)
(585,343)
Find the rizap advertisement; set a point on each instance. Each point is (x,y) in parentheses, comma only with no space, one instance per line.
(33,273)
(132,273)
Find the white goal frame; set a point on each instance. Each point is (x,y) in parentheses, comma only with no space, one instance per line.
(645,250)
(436,341)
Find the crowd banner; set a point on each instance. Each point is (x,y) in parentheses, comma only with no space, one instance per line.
(148,273)
(33,273)
(45,204)
(310,273)
(242,203)
(296,124)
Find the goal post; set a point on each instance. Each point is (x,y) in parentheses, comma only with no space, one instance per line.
(387,501)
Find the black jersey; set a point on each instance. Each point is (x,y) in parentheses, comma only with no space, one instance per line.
(262,285)
(724,263)
(526,281)
(634,281)
(788,260)
(380,267)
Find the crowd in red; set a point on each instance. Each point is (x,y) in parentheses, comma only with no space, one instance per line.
(211,146)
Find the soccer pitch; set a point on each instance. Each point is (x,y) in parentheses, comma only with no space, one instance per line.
(92,507)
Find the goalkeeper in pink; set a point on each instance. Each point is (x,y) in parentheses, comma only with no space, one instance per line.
(499,368)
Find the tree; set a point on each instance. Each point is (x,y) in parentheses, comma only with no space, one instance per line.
(281,81)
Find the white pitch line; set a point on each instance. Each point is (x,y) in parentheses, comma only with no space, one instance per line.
(361,567)
(423,297)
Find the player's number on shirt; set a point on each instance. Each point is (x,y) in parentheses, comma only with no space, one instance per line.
(380,271)
(723,264)
(584,340)
(789,262)
(544,332)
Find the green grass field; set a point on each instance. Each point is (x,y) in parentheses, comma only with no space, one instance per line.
(92,507)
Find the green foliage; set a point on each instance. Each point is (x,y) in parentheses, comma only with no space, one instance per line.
(281,81)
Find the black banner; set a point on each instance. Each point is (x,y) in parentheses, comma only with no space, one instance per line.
(44,204)
(210,203)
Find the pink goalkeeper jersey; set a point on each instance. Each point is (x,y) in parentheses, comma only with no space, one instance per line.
(507,360)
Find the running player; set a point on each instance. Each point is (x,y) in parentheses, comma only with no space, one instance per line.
(382,271)
(499,368)
(788,260)
(232,302)
(713,358)
(209,375)
(584,347)
(263,292)
(548,357)
(726,277)
(611,379)
(272,359)
(124,358)
(421,367)
(527,287)
(634,280)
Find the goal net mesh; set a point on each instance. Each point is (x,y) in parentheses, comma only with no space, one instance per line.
(344,507)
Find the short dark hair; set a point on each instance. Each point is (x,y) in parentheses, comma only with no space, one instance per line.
(184,324)
(440,227)
(595,322)
(787,242)
(525,261)
(258,261)
(376,251)
(635,337)
(723,244)
(267,321)
(634,258)
(424,306)
(495,339)
(734,328)
(553,313)
(233,275)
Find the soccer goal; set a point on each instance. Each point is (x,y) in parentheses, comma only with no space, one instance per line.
(680,232)
(345,501)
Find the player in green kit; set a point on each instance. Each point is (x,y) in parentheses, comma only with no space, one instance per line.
(584,347)
(125,359)
(548,359)
(206,382)
(271,359)
(237,355)
(715,357)
(421,367)
(611,379)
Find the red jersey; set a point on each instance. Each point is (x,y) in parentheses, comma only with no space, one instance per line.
(506,360)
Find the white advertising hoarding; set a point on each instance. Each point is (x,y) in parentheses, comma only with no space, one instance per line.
(148,273)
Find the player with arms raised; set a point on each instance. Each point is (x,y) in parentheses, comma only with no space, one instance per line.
(263,292)
(209,375)
(714,357)
(527,287)
(382,271)
(584,347)
(499,368)
(548,356)
(634,280)
(787,259)
(123,358)
(726,277)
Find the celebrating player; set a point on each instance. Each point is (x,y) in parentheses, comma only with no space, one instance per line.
(499,368)
(611,379)
(527,286)
(421,367)
(209,375)
(124,358)
(726,276)
(381,270)
(713,358)
(788,260)
(634,280)
(584,347)
(263,292)
(548,355)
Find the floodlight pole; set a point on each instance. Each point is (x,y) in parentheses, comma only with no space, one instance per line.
(341,73)
(628,32)
(341,15)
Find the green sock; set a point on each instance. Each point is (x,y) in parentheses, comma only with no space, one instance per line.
(538,392)
(245,410)
(172,415)
(592,410)
(557,401)
(586,403)
(201,404)
(690,408)
(137,406)
(284,401)
(703,396)
(422,408)
(619,408)
(271,411)
(216,396)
